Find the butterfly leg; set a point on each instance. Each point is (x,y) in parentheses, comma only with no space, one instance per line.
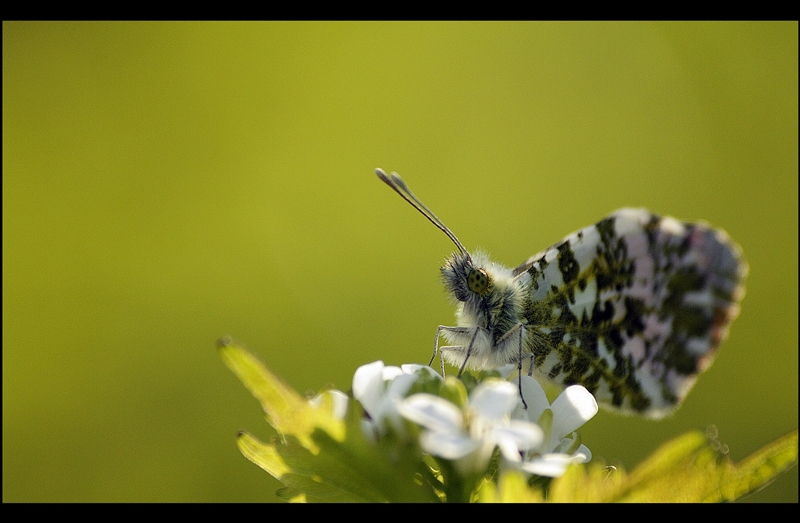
(517,329)
(469,349)
(437,350)
(463,332)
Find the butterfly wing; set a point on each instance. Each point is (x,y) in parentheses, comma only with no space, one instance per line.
(633,307)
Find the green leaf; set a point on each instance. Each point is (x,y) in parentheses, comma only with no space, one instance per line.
(761,468)
(310,477)
(264,455)
(349,471)
(287,411)
(319,457)
(322,458)
(689,468)
(512,487)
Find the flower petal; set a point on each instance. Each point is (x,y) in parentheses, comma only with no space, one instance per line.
(571,409)
(517,437)
(432,412)
(550,465)
(386,413)
(399,386)
(412,368)
(391,372)
(494,399)
(368,386)
(447,445)
(535,398)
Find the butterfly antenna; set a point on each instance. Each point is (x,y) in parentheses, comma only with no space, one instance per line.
(394,181)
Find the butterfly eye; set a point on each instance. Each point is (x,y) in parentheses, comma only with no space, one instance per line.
(478,281)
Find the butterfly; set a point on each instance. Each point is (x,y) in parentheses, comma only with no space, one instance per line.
(633,308)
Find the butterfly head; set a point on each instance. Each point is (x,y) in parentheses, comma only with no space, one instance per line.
(470,280)
(465,279)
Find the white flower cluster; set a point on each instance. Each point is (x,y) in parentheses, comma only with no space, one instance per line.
(539,439)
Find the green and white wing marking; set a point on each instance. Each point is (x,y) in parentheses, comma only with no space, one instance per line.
(633,307)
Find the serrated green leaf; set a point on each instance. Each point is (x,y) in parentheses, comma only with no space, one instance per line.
(591,483)
(286,410)
(386,470)
(313,477)
(689,468)
(319,457)
(262,454)
(761,468)
(312,490)
(322,458)
(333,467)
(512,487)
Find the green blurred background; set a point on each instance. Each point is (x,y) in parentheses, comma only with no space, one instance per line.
(165,184)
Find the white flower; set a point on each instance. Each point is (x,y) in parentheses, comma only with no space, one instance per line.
(538,440)
(380,389)
(561,446)
(469,437)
